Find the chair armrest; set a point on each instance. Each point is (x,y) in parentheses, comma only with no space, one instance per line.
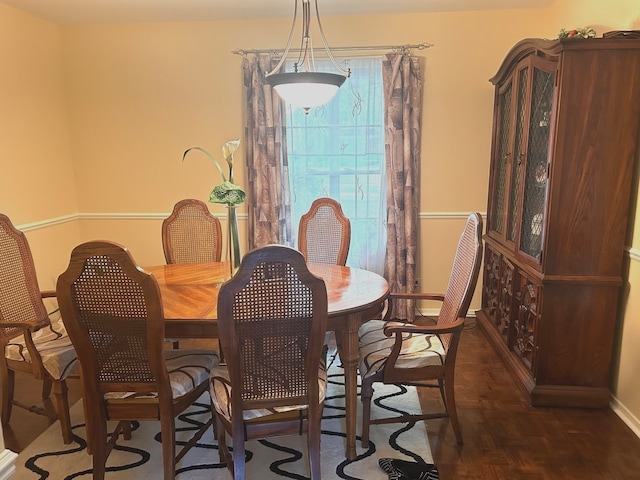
(392,328)
(394,297)
(26,326)
(50,294)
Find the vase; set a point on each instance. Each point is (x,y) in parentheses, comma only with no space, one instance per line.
(233,239)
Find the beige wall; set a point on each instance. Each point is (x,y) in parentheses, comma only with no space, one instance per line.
(100,115)
(38,180)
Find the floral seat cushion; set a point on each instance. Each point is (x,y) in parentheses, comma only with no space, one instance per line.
(53,343)
(417,350)
(220,389)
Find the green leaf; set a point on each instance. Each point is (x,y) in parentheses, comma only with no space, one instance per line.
(227,193)
(211,157)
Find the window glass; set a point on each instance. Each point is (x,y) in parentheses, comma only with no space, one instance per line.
(337,151)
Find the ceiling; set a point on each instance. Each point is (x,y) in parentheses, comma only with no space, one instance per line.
(119,11)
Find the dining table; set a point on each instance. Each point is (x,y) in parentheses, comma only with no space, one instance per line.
(190,297)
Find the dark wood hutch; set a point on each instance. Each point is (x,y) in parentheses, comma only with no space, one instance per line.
(565,139)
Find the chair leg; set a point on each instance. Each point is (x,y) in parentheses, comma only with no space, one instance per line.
(126,431)
(168,431)
(450,403)
(87,423)
(313,446)
(60,391)
(7,379)
(238,456)
(98,442)
(46,388)
(365,396)
(221,437)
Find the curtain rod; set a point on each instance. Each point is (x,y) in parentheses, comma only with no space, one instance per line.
(404,49)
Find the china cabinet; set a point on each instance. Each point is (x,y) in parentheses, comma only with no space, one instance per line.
(564,146)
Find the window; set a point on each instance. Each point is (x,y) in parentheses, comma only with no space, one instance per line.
(337,151)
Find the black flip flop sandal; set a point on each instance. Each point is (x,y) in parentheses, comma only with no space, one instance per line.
(404,470)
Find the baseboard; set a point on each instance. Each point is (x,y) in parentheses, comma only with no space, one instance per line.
(7,464)
(627,417)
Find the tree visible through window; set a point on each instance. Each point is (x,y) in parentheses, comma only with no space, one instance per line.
(337,151)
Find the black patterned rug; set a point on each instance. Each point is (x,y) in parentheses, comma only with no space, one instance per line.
(276,458)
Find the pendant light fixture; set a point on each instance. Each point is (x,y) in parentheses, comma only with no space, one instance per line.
(305,87)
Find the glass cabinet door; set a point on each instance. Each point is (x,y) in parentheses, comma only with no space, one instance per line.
(498,212)
(518,152)
(536,163)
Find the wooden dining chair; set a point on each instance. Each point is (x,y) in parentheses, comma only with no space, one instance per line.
(324,233)
(272,318)
(191,234)
(113,312)
(31,342)
(393,352)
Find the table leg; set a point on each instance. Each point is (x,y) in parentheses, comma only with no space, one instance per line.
(347,342)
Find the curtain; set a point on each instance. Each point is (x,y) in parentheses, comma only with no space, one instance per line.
(268,205)
(402,83)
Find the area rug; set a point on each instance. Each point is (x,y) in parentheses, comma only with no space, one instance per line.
(277,458)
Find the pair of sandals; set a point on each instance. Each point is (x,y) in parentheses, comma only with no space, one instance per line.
(403,470)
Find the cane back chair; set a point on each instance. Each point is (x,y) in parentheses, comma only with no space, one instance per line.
(31,341)
(394,352)
(113,312)
(324,233)
(191,234)
(272,318)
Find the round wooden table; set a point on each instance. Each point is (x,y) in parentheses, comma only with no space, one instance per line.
(190,298)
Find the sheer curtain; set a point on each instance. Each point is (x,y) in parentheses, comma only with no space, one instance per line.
(337,151)
(403,120)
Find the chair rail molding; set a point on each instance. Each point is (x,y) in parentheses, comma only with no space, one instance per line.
(634,253)
(447,215)
(51,222)
(48,222)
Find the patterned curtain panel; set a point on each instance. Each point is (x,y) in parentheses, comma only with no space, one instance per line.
(402,82)
(269,210)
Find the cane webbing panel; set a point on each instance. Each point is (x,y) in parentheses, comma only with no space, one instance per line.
(458,294)
(191,234)
(273,315)
(324,237)
(110,307)
(20,299)
(324,233)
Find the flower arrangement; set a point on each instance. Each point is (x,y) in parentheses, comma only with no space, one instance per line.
(586,32)
(227,193)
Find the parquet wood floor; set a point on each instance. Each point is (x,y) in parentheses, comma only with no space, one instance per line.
(504,438)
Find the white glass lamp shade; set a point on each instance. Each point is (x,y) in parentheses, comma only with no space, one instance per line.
(306,89)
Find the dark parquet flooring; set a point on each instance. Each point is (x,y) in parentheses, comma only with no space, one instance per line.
(504,438)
